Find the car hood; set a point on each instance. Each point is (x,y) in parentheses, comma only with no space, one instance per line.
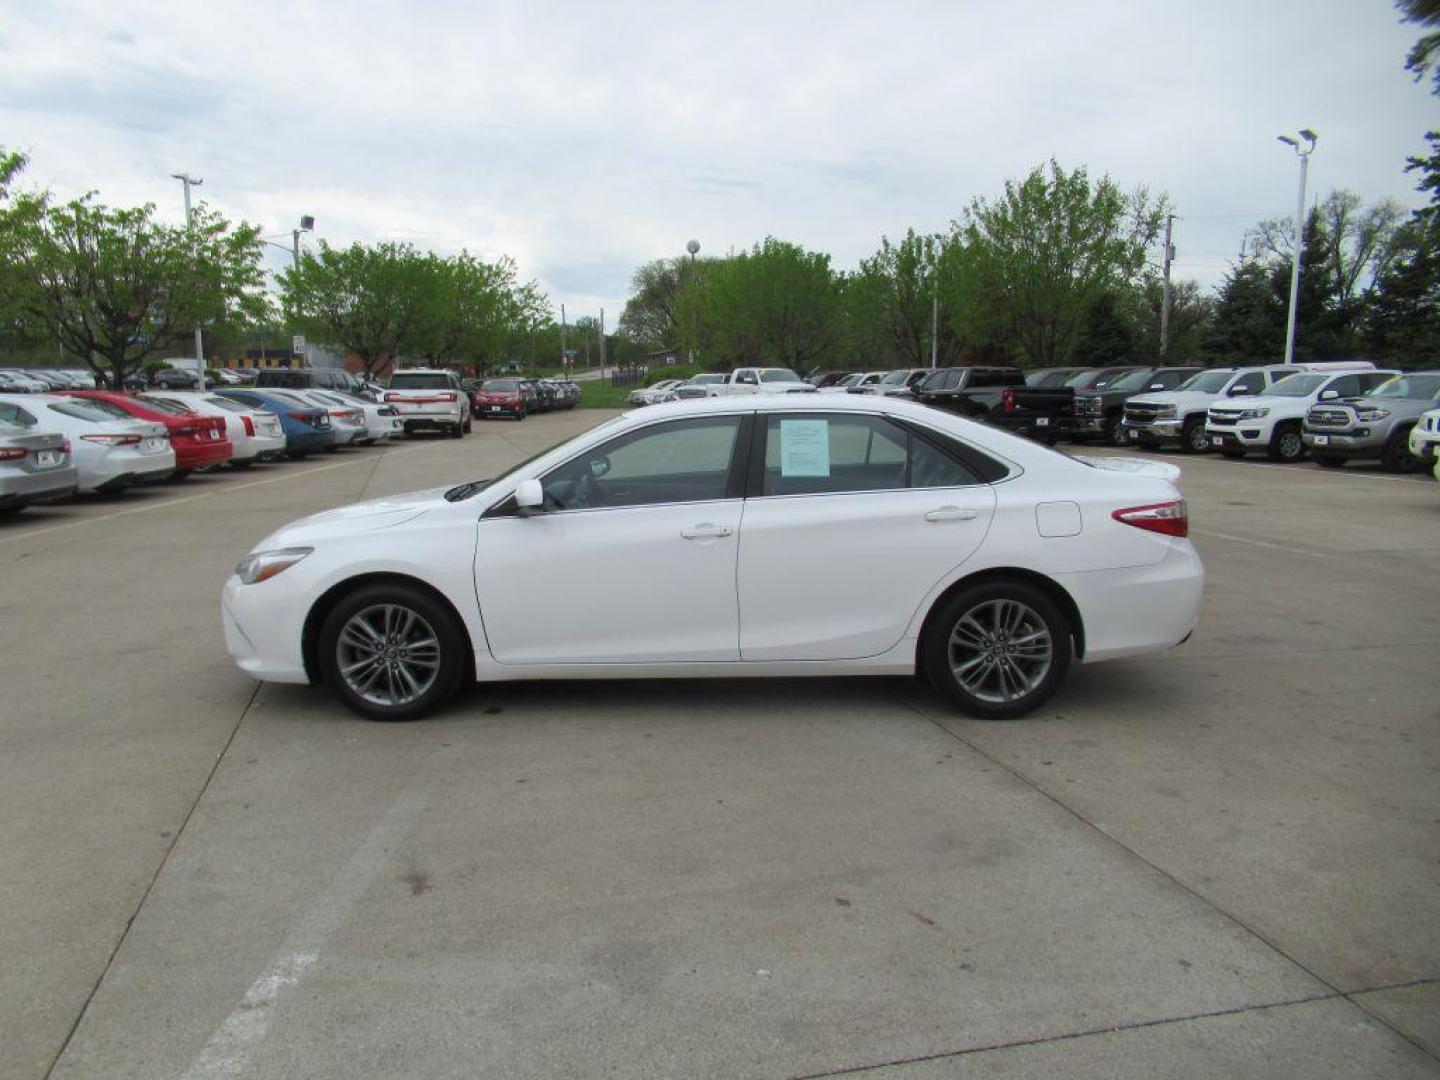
(370,515)
(1395,406)
(1172,397)
(1269,401)
(1154,470)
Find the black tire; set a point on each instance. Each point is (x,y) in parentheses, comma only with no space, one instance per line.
(1328,461)
(1286,445)
(457,431)
(1397,457)
(522,414)
(987,696)
(469,425)
(1115,434)
(432,616)
(1193,439)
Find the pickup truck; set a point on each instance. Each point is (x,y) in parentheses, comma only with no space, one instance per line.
(1047,413)
(1377,426)
(976,392)
(1274,421)
(759,380)
(1098,414)
(1178,415)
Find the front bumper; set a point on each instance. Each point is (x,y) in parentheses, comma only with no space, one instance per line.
(1153,431)
(1236,438)
(1423,444)
(262,629)
(1343,445)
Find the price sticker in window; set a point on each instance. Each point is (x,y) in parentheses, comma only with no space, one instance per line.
(804,448)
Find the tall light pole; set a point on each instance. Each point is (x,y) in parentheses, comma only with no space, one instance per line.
(693,247)
(1304,155)
(1165,294)
(307,224)
(188,181)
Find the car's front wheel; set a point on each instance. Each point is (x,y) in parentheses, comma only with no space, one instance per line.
(998,649)
(1193,437)
(392,652)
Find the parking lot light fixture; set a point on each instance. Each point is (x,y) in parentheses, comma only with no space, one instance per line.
(1304,155)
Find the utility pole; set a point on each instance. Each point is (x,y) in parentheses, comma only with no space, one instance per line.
(188,181)
(562,337)
(935,323)
(1165,296)
(602,343)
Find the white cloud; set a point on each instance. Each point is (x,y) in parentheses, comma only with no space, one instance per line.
(583,141)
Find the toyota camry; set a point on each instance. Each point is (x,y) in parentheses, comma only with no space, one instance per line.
(775,536)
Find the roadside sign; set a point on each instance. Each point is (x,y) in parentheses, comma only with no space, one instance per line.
(298,347)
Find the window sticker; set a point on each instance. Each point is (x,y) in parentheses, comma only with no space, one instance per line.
(804,448)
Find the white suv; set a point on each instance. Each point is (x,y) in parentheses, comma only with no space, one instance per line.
(1178,415)
(1273,421)
(429,398)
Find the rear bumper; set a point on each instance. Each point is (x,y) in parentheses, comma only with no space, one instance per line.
(1139,609)
(201,455)
(301,442)
(20,489)
(1035,427)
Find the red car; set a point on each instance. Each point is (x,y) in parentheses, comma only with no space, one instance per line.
(498,397)
(199,441)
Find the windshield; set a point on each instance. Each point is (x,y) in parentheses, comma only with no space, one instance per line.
(785,375)
(702,380)
(1418,387)
(165,405)
(500,386)
(1136,380)
(87,410)
(228,405)
(1207,382)
(1297,386)
(419,380)
(895,378)
(1082,379)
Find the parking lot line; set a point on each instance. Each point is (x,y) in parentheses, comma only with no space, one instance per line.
(1289,549)
(29,533)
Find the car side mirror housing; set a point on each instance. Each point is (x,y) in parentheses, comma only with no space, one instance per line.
(529,497)
(1239,391)
(1329,395)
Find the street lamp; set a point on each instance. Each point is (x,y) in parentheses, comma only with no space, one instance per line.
(1303,153)
(693,247)
(188,181)
(307,224)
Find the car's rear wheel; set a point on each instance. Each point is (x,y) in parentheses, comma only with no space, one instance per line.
(998,649)
(468,425)
(1193,439)
(1286,444)
(391,652)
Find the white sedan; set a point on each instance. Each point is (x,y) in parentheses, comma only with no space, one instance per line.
(110,452)
(381,421)
(255,433)
(982,559)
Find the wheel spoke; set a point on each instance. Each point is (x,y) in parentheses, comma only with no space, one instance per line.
(388,654)
(1000,651)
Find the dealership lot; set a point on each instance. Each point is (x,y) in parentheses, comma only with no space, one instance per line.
(1225,857)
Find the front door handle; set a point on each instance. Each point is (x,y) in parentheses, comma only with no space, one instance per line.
(952,513)
(706,531)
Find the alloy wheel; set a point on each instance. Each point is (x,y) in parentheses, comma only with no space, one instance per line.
(388,654)
(1000,650)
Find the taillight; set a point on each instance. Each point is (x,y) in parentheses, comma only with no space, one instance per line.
(1007,401)
(249,424)
(186,429)
(304,417)
(1167,518)
(447,396)
(12,454)
(113,440)
(391,397)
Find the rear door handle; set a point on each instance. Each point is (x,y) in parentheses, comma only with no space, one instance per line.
(706,531)
(952,513)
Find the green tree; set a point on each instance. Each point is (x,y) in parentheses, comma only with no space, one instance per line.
(1429,169)
(890,304)
(1421,57)
(1403,323)
(1249,320)
(472,311)
(370,300)
(650,315)
(119,288)
(1035,260)
(1108,333)
(775,304)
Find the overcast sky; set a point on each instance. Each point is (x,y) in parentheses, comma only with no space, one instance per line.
(583,139)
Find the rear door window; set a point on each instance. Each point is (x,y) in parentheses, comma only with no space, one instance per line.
(813,454)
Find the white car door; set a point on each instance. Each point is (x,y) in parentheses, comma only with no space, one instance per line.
(856,520)
(632,559)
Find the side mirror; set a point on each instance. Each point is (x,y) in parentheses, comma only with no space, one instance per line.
(1329,395)
(529,497)
(1157,386)
(1239,391)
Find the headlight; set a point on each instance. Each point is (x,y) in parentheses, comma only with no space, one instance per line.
(263,565)
(1372,414)
(1254,414)
(1165,412)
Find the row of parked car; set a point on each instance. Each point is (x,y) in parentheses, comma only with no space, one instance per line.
(57,444)
(1333,412)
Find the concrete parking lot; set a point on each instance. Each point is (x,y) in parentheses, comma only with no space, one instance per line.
(1220,862)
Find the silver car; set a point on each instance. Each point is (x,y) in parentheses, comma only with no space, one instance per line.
(34,466)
